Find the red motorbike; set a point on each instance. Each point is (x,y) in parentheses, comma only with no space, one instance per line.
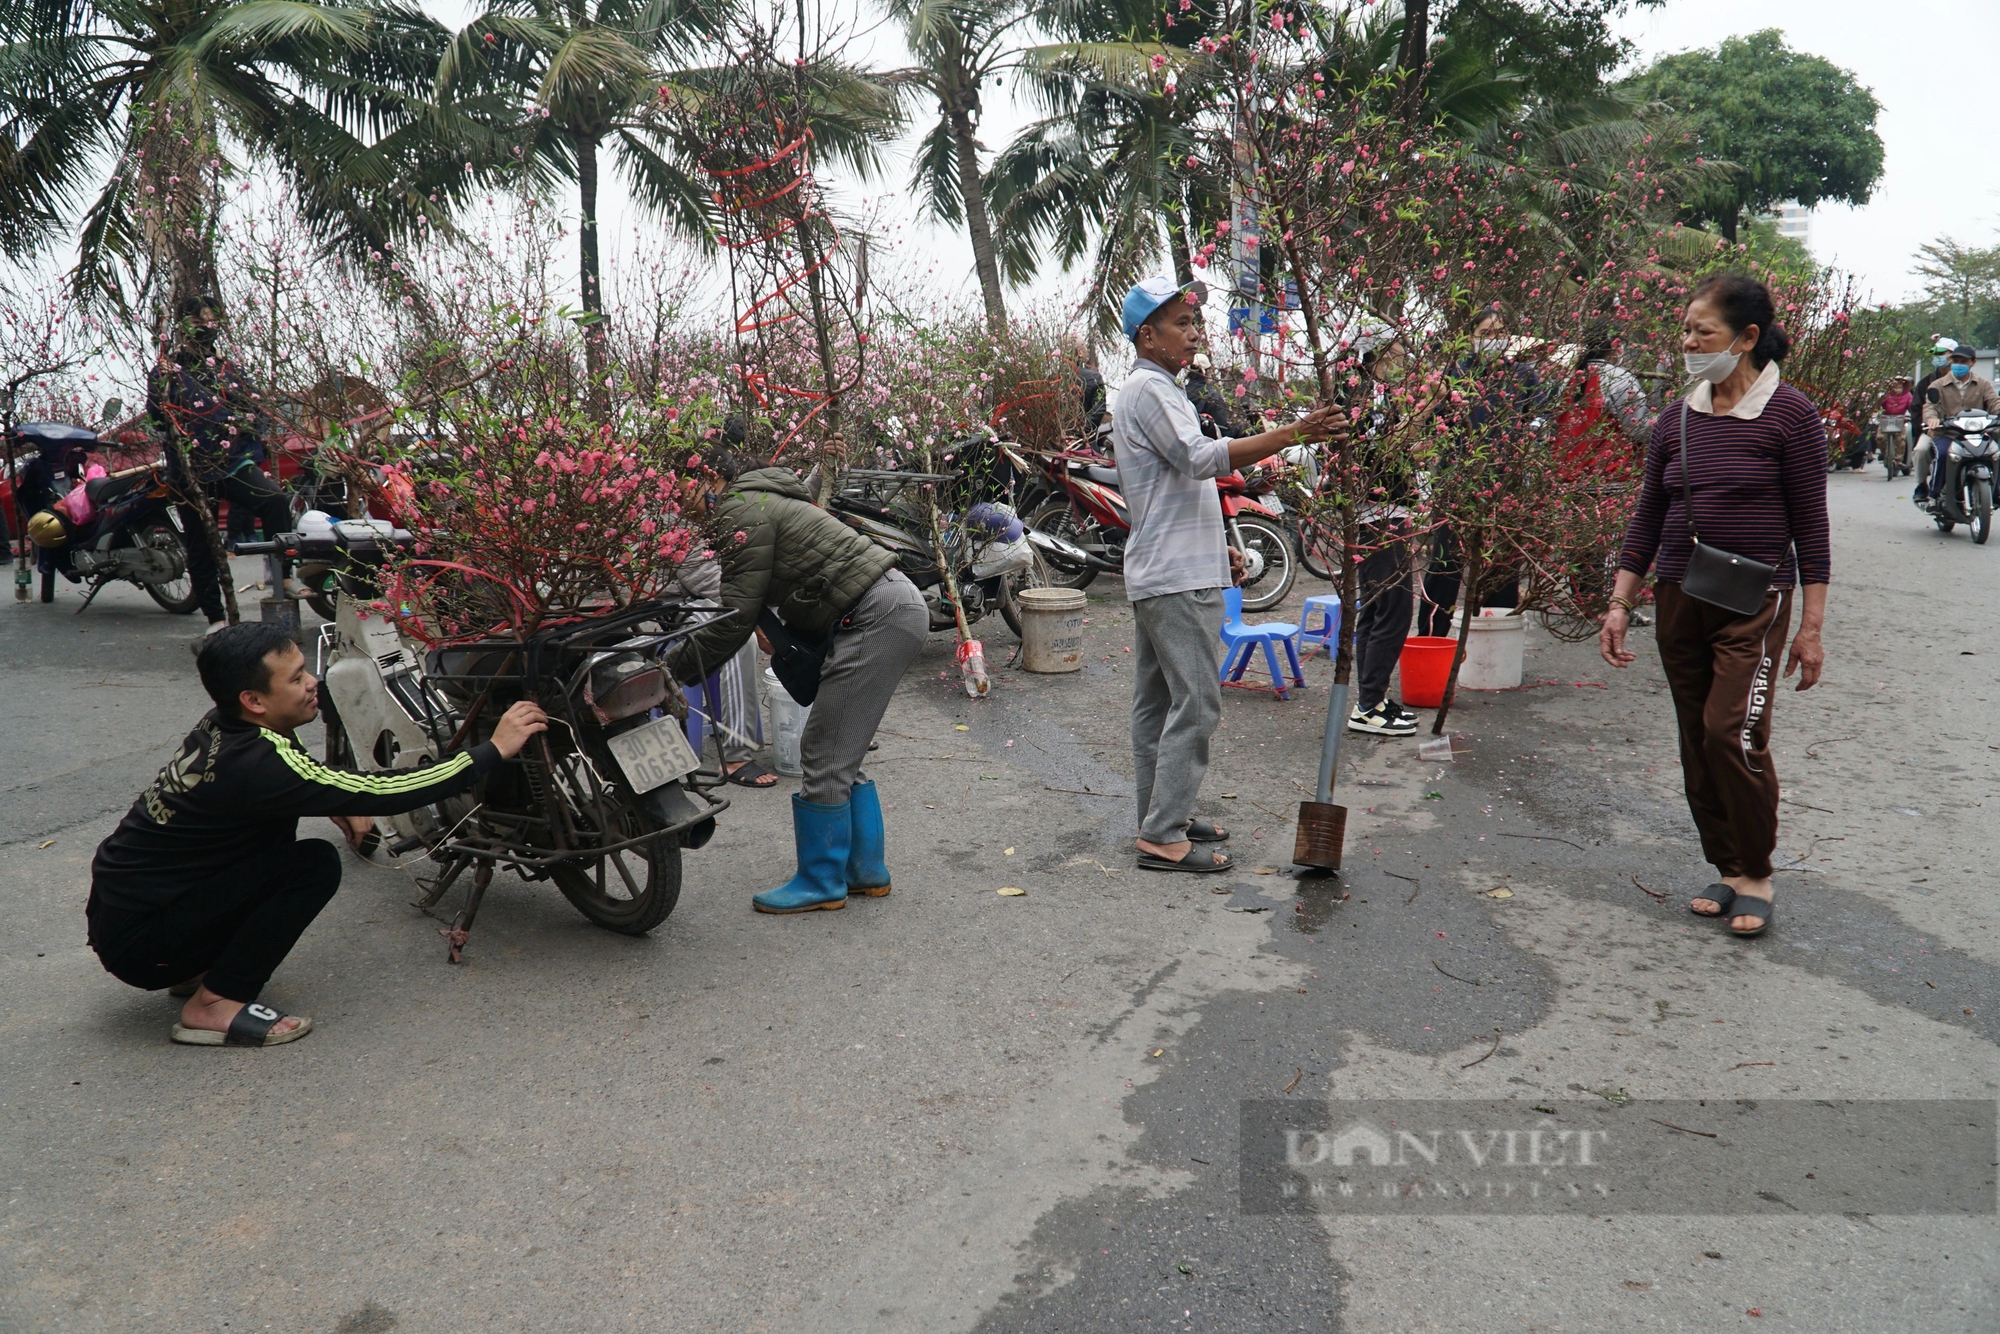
(1084,504)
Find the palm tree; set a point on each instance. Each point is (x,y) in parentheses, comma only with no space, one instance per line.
(132,113)
(960,45)
(551,81)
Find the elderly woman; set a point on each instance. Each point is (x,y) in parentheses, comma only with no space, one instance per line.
(1748,454)
(834,601)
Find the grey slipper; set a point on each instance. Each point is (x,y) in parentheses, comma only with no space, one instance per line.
(1719,894)
(1197,861)
(1749,905)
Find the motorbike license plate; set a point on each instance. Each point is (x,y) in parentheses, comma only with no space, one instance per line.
(654,754)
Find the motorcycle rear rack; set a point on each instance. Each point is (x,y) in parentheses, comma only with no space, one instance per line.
(497,851)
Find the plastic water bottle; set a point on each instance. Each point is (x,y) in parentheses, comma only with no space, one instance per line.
(972,669)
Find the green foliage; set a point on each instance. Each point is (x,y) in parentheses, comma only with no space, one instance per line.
(1962,289)
(1794,126)
(1563,48)
(107,104)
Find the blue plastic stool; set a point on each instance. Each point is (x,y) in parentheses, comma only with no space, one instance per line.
(1240,641)
(1326,635)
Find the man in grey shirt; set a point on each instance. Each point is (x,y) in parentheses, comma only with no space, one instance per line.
(1177,562)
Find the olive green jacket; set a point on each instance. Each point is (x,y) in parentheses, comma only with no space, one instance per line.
(779,550)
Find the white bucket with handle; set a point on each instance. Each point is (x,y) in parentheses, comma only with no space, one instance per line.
(1493,653)
(1052,629)
(785,723)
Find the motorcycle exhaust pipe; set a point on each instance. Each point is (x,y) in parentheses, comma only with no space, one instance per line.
(1065,552)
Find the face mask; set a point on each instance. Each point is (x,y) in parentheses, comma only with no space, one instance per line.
(1960,370)
(1714,367)
(1937,363)
(1489,347)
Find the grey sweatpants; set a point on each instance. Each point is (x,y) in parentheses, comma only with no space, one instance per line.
(1176,704)
(862,671)
(735,733)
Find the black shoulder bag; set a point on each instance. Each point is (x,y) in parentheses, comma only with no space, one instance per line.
(795,660)
(1734,583)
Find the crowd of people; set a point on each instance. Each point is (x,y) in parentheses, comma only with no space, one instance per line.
(204,886)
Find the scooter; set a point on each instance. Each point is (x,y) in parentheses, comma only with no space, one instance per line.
(1970,443)
(990,552)
(133,532)
(1089,511)
(1892,443)
(602,804)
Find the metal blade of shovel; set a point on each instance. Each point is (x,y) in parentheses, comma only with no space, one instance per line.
(1323,825)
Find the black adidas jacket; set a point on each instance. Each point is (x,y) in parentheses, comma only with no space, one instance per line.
(237,790)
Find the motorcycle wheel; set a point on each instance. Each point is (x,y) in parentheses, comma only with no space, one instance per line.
(1057,519)
(1944,525)
(1037,575)
(1982,512)
(631,891)
(1316,545)
(1280,569)
(178,596)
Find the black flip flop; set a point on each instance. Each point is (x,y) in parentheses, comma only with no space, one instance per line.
(250,1028)
(748,775)
(1201,831)
(1209,863)
(1761,909)
(1717,893)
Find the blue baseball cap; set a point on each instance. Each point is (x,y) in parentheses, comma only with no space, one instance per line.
(1149,294)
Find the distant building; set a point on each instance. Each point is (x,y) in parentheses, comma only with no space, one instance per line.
(1793,221)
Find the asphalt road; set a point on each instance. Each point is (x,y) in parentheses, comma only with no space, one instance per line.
(953,1110)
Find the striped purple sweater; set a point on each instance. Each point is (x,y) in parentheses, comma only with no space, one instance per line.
(1759,491)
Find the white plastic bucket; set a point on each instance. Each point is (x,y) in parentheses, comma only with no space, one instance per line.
(1052,629)
(1493,655)
(785,723)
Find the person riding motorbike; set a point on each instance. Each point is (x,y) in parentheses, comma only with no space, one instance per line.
(198,395)
(1945,399)
(1941,351)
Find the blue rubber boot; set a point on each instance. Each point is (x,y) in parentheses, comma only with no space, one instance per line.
(821,836)
(867,867)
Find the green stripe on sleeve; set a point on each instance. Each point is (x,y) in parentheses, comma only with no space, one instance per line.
(390,784)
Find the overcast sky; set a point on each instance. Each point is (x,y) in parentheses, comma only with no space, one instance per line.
(1922,58)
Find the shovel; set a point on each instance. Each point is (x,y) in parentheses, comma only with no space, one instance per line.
(1323,825)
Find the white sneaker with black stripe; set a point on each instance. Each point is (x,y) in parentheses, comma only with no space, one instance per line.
(1385,719)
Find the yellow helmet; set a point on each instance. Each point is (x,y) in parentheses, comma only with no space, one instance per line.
(48,529)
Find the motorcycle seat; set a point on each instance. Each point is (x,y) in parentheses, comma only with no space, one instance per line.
(103,490)
(1107,476)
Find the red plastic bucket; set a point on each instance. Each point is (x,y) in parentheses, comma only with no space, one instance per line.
(1426,665)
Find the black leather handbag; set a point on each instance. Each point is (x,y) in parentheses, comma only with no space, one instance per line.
(1717,577)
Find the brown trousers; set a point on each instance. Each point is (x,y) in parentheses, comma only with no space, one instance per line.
(1723,671)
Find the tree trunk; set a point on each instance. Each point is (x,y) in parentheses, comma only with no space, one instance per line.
(1726,224)
(1472,573)
(1177,242)
(589,274)
(1413,57)
(971,189)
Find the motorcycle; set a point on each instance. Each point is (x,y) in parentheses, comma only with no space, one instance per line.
(1971,446)
(602,804)
(992,555)
(1086,508)
(133,531)
(1892,443)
